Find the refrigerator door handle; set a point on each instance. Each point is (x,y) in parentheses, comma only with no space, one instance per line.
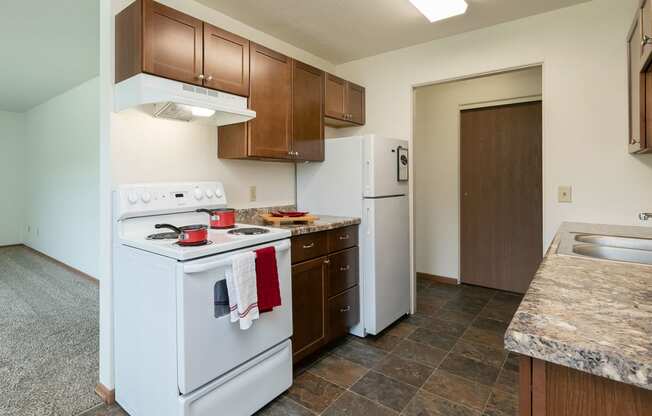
(369,221)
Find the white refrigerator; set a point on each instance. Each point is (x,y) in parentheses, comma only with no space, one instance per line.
(366,177)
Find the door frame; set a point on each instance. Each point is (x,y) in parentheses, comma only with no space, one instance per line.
(490,104)
(463,77)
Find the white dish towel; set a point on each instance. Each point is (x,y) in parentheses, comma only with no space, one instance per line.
(242,290)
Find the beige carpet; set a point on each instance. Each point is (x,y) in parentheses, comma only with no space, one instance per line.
(48,337)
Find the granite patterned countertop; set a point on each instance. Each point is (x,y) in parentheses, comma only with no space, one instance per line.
(589,314)
(325,222)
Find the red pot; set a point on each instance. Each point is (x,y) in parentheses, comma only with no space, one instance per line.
(220,217)
(190,235)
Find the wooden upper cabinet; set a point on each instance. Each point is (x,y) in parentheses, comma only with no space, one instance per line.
(307,112)
(226,61)
(335,100)
(344,102)
(270,97)
(645,31)
(159,40)
(640,85)
(172,43)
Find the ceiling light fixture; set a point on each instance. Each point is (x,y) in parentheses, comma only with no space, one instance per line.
(435,10)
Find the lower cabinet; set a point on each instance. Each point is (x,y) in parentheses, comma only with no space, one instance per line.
(325,293)
(547,389)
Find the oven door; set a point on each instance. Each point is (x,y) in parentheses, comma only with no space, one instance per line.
(209,345)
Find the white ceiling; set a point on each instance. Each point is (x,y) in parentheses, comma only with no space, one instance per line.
(345,30)
(46,48)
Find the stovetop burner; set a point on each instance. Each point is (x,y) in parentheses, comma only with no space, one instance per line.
(197,244)
(162,236)
(249,231)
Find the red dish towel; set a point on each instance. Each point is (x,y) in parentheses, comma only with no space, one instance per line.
(269,293)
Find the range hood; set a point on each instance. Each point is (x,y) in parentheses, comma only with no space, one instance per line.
(179,101)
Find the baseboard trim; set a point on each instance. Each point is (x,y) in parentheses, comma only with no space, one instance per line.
(64,265)
(11,245)
(107,396)
(437,279)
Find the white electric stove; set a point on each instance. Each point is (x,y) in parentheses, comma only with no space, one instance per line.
(176,351)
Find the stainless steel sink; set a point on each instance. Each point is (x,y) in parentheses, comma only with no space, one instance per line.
(614,241)
(613,253)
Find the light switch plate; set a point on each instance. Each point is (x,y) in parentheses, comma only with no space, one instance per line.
(565,194)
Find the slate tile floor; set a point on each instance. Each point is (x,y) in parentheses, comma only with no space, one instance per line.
(446,360)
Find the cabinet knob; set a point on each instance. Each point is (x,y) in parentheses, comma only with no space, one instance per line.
(348,308)
(209,78)
(291,153)
(296,153)
(327,261)
(344,237)
(345,268)
(647,40)
(201,76)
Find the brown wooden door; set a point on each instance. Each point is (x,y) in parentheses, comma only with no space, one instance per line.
(172,43)
(271,97)
(356,103)
(637,85)
(309,306)
(335,97)
(226,61)
(501,201)
(307,112)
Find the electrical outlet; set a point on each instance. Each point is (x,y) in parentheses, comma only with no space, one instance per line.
(37,232)
(565,194)
(29,228)
(252,193)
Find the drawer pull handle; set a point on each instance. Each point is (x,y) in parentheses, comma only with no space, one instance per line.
(307,246)
(327,261)
(345,268)
(344,237)
(348,308)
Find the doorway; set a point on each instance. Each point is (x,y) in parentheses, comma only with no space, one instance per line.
(437,179)
(501,212)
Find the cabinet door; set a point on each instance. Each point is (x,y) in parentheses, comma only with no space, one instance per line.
(307,112)
(636,91)
(343,313)
(356,103)
(270,96)
(335,97)
(226,61)
(172,43)
(645,31)
(308,307)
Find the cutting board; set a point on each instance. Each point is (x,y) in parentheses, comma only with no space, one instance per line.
(289,220)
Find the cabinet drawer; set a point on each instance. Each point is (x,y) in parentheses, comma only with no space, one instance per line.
(343,271)
(343,313)
(308,246)
(342,238)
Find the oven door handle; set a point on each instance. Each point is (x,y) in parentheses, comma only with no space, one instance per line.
(199,268)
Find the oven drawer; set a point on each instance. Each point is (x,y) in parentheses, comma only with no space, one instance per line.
(343,271)
(342,238)
(343,313)
(308,246)
(246,389)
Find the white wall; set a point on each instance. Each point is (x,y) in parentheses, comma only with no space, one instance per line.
(11,179)
(585,101)
(62,177)
(145,149)
(436,156)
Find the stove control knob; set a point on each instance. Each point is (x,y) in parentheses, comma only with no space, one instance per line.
(209,194)
(198,194)
(146,197)
(132,198)
(218,194)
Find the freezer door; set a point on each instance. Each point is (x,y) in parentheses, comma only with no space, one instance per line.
(381,167)
(386,264)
